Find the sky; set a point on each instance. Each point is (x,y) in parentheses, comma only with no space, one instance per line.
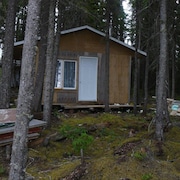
(127,9)
(126,6)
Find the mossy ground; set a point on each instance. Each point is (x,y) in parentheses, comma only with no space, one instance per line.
(113,132)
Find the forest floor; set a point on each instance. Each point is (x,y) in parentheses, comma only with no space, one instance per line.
(117,146)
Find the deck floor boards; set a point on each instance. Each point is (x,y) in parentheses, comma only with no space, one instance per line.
(76,106)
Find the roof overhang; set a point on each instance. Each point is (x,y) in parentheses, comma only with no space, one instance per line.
(86,27)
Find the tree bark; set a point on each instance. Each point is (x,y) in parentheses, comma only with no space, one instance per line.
(48,83)
(7,60)
(136,63)
(26,89)
(39,80)
(107,51)
(56,45)
(146,79)
(146,84)
(162,115)
(173,71)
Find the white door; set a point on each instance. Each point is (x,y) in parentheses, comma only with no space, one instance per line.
(88,78)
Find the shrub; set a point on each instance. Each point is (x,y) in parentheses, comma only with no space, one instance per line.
(72,132)
(139,156)
(82,141)
(147,176)
(79,137)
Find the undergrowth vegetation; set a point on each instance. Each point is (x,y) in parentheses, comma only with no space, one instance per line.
(116,146)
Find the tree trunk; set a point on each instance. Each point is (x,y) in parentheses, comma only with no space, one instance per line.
(26,89)
(106,98)
(146,82)
(136,69)
(135,83)
(48,83)
(162,115)
(173,72)
(39,80)
(7,59)
(56,46)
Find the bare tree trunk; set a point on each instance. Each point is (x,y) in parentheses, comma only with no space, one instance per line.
(172,7)
(26,89)
(146,79)
(168,74)
(173,70)
(162,115)
(135,83)
(146,82)
(51,78)
(106,98)
(39,80)
(48,83)
(8,55)
(56,45)
(135,90)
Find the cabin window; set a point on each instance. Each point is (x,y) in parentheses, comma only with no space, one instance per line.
(66,74)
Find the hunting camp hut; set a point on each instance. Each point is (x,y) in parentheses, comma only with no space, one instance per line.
(80,73)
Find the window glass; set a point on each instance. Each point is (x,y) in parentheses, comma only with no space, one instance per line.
(69,74)
(65,74)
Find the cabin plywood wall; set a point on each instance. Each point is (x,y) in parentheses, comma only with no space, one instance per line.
(119,79)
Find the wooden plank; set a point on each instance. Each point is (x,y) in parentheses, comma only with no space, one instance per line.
(124,106)
(33,124)
(98,106)
(119,78)
(5,142)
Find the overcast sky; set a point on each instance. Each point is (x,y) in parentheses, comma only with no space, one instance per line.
(126,6)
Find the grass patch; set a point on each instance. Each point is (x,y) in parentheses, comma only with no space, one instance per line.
(147,176)
(140,156)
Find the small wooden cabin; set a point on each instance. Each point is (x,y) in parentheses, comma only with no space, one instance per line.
(81,68)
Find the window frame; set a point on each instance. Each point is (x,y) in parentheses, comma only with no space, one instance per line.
(62,75)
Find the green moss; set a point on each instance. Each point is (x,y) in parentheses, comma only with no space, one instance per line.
(173,134)
(140,156)
(171,150)
(58,159)
(56,171)
(129,140)
(147,176)
(107,168)
(176,164)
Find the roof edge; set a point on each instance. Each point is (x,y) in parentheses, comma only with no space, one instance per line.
(102,34)
(18,43)
(95,31)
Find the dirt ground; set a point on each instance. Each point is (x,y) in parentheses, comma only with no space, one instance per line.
(122,148)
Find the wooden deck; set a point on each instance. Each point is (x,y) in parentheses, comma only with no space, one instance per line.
(7,122)
(101,106)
